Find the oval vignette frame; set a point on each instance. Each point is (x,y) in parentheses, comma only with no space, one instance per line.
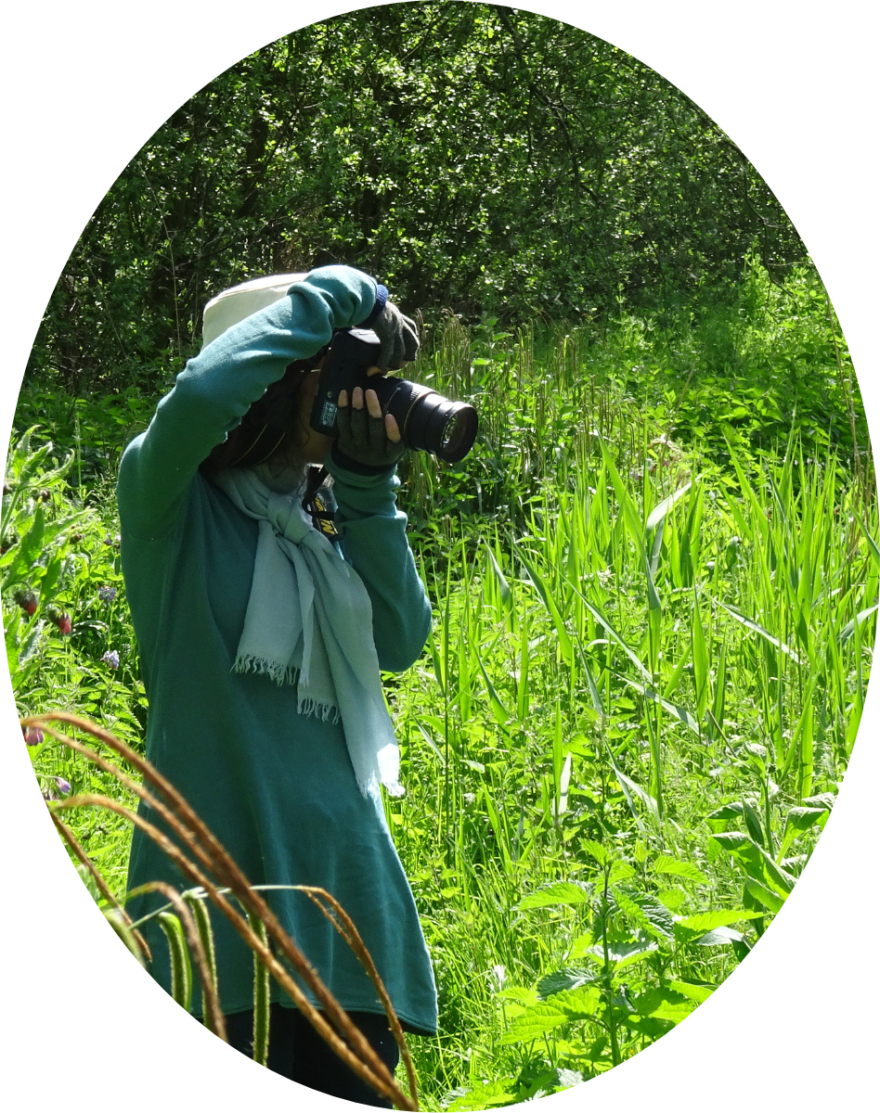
(787,105)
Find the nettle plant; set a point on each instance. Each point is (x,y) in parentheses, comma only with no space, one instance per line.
(35,560)
(68,640)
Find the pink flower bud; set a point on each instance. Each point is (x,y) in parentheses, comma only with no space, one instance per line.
(26,599)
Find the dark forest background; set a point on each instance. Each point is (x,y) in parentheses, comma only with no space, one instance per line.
(473,157)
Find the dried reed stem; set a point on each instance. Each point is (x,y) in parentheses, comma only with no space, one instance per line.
(205,846)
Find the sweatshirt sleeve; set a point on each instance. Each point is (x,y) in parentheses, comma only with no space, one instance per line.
(372,534)
(217,387)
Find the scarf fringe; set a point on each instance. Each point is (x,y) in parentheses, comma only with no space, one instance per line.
(308,705)
(288,674)
(281,674)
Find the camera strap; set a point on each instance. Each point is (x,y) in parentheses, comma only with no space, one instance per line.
(316,505)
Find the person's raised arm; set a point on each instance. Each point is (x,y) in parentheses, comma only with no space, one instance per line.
(218,386)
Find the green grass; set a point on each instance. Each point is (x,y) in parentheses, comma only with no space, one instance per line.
(655,584)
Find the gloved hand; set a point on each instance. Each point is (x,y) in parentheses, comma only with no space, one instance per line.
(398,335)
(365,436)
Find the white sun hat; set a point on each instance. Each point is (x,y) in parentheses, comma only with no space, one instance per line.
(238,302)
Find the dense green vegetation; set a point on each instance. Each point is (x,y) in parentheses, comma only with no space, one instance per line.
(473,156)
(655,578)
(655,606)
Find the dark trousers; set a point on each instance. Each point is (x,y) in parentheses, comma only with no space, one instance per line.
(298,1052)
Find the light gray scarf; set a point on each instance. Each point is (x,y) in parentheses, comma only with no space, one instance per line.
(309,623)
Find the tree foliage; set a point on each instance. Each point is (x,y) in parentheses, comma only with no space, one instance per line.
(474,157)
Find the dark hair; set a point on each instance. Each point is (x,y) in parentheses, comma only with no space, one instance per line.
(267,429)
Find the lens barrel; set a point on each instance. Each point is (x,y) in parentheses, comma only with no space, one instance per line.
(427,421)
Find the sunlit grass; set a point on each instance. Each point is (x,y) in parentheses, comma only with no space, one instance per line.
(654,624)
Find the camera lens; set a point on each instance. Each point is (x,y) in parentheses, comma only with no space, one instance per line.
(426,419)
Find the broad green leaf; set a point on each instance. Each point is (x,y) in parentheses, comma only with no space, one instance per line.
(824,800)
(569,978)
(624,951)
(519,994)
(596,850)
(664,1003)
(658,916)
(578,1002)
(651,1027)
(756,862)
(692,928)
(620,871)
(534,1023)
(582,946)
(31,544)
(569,893)
(697,993)
(720,937)
(764,895)
(733,810)
(488,1095)
(672,867)
(802,819)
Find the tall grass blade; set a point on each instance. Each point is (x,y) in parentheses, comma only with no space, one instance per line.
(700,657)
(662,508)
(847,632)
(681,713)
(616,638)
(750,624)
(552,609)
(502,715)
(630,789)
(875,549)
(505,593)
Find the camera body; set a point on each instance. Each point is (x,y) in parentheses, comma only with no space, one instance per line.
(427,421)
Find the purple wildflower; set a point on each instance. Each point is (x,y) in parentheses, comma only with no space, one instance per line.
(33,736)
(63,786)
(106,594)
(111,658)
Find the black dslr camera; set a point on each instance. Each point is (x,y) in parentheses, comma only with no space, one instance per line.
(426,419)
